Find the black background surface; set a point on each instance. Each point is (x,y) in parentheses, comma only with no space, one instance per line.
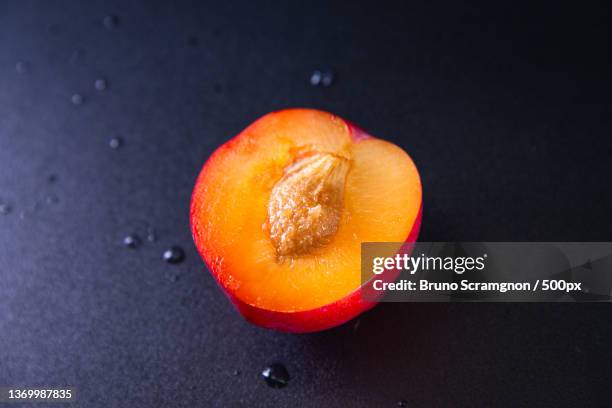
(506,112)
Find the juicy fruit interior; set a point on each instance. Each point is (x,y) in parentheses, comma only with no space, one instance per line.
(280,212)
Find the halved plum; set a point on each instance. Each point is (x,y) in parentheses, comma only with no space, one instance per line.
(279,213)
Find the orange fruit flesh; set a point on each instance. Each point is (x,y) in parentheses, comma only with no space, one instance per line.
(380,202)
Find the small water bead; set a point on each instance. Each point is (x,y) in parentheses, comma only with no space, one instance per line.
(328,79)
(315,78)
(276,375)
(100,84)
(174,255)
(77,99)
(131,241)
(236,373)
(111,21)
(5,208)
(322,78)
(115,143)
(402,403)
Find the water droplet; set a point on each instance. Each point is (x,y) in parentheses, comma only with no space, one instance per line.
(21,67)
(77,99)
(174,255)
(328,79)
(315,78)
(52,178)
(324,78)
(236,373)
(173,278)
(111,21)
(100,84)
(5,208)
(52,199)
(402,403)
(276,375)
(115,143)
(131,241)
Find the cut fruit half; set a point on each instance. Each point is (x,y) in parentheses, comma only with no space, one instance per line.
(279,214)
